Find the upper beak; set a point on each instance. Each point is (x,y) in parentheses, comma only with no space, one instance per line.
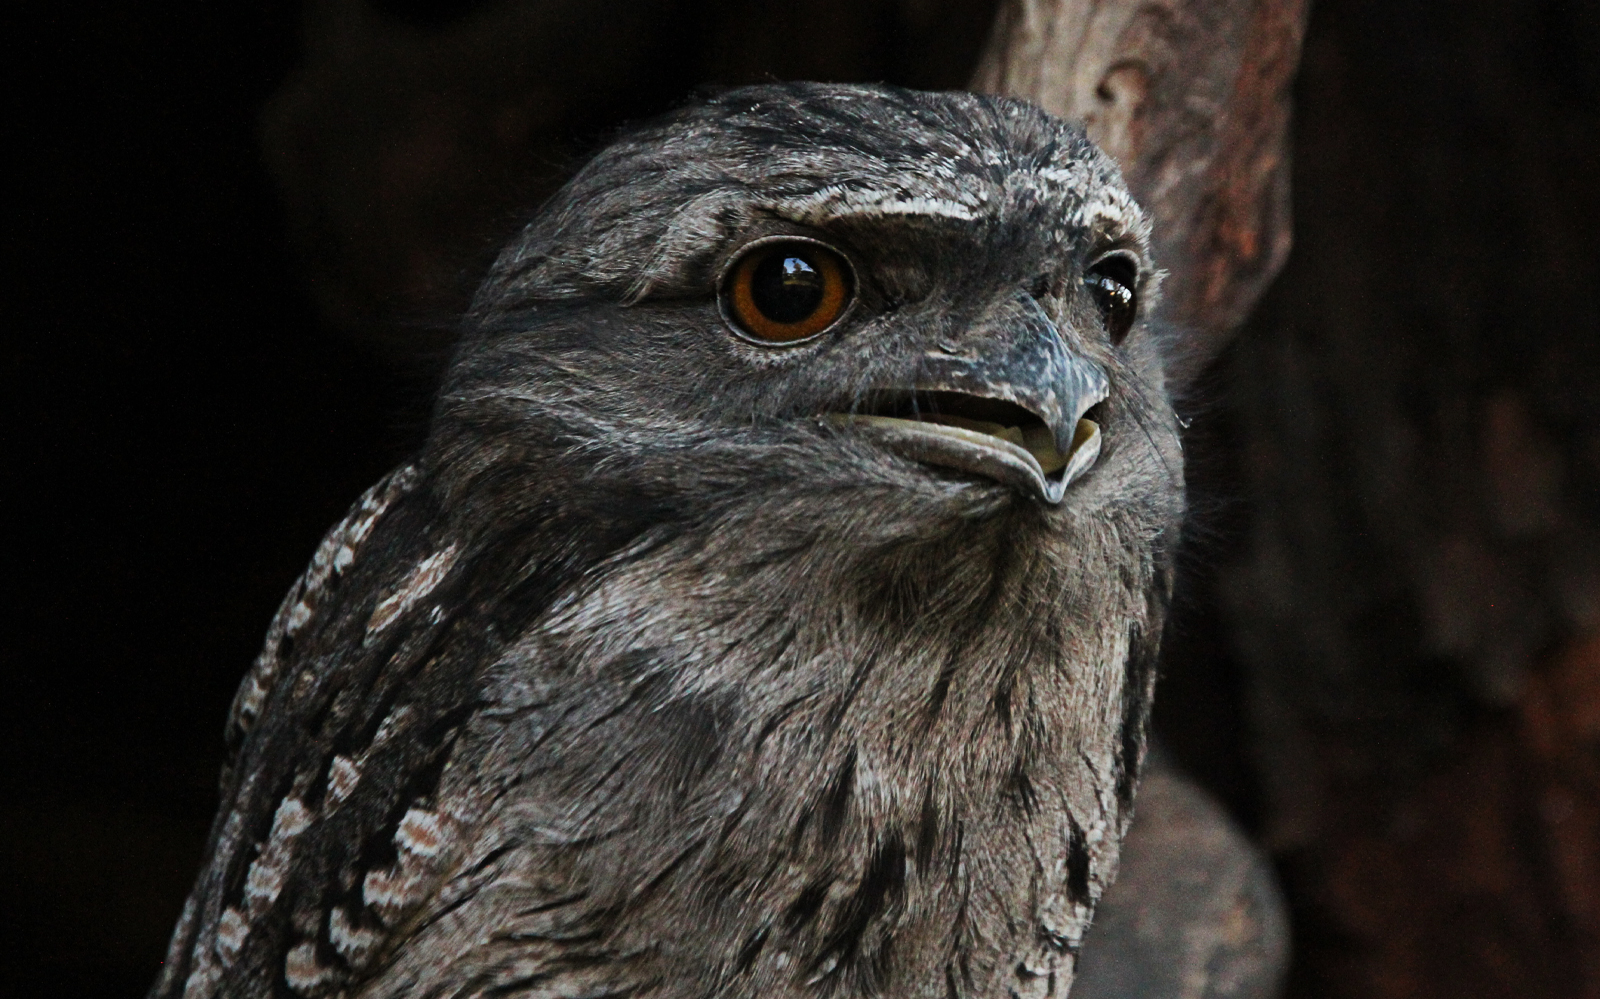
(1007,402)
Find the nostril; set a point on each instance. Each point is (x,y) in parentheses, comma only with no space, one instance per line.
(1096,413)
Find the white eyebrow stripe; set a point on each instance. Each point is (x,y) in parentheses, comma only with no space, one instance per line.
(973,200)
(1118,211)
(838,201)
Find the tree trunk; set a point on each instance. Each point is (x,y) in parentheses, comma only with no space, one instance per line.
(1417,605)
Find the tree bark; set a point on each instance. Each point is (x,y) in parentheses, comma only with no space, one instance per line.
(1195,912)
(1416,599)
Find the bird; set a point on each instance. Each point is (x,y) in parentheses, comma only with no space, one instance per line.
(772,608)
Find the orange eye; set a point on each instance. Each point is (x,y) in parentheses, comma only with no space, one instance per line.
(787,291)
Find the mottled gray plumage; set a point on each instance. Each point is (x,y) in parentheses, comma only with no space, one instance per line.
(655,674)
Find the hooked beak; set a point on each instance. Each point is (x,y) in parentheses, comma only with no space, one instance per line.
(1009,404)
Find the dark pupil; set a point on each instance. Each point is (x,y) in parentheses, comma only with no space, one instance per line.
(1115,300)
(786,288)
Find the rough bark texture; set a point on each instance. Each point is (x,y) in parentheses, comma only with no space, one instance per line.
(1418,607)
(1195,913)
(1193,100)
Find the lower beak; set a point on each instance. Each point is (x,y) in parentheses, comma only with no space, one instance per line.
(1010,402)
(1024,458)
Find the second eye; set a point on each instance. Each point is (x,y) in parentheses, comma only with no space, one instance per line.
(787,290)
(1112,281)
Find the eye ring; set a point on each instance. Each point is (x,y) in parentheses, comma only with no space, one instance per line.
(785,290)
(1113,283)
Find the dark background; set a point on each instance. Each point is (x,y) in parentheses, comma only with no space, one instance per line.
(182,429)
(1386,660)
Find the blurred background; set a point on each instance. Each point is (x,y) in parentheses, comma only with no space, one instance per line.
(240,233)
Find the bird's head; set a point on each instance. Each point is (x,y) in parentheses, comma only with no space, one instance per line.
(836,288)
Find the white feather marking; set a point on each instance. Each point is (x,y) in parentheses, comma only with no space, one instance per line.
(290,820)
(263,883)
(299,614)
(338,550)
(429,573)
(343,773)
(390,893)
(252,695)
(835,201)
(232,929)
(202,981)
(303,972)
(1114,209)
(422,833)
(354,943)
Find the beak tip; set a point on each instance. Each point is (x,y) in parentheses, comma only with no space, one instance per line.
(1082,453)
